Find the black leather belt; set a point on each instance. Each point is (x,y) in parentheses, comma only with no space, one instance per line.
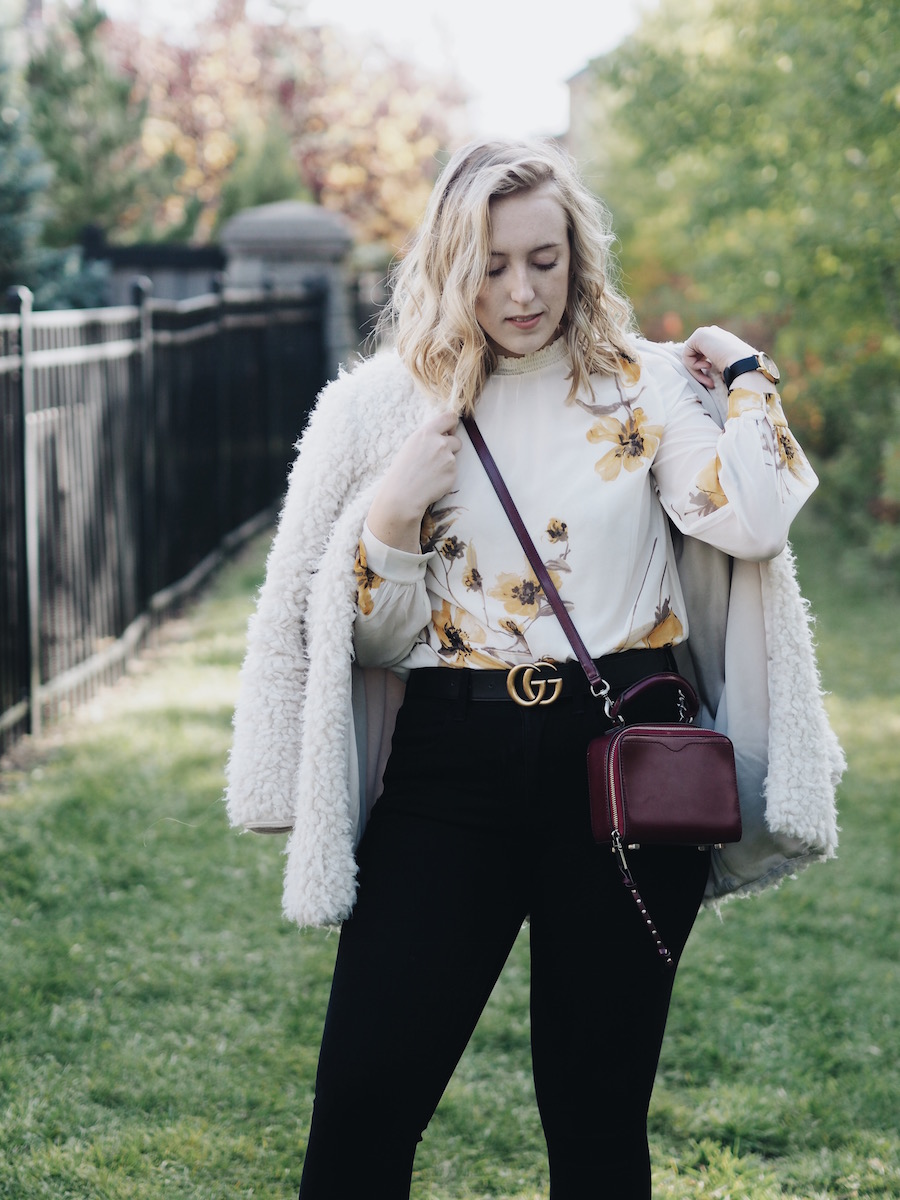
(539,683)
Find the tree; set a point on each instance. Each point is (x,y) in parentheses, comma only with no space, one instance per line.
(23,176)
(263,170)
(753,177)
(89,123)
(363,128)
(368,130)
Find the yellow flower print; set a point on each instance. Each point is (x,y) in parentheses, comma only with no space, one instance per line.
(741,400)
(452,547)
(789,452)
(427,532)
(775,411)
(521,595)
(435,526)
(709,495)
(508,625)
(456,632)
(634,441)
(630,370)
(667,630)
(557,531)
(472,580)
(366,582)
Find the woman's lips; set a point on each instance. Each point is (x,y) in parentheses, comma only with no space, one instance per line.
(525,323)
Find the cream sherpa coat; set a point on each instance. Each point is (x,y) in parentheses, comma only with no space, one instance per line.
(312,730)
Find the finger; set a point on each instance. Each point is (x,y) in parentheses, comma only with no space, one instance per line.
(442,422)
(701,376)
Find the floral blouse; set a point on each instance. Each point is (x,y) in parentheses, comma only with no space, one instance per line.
(596,481)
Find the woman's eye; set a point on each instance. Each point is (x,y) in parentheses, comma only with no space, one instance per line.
(539,266)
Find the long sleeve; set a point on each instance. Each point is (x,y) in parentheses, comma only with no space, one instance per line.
(392,602)
(738,488)
(594,481)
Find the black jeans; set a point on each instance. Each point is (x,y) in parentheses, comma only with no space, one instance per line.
(484,822)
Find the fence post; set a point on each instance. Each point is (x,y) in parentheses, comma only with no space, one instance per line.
(20,300)
(271,379)
(141,291)
(223,409)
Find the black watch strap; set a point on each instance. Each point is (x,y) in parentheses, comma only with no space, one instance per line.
(751,363)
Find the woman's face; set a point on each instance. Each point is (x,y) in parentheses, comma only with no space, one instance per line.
(523,299)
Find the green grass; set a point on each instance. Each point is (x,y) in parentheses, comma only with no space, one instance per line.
(159,1021)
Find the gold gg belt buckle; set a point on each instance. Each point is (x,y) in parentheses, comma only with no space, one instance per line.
(528,691)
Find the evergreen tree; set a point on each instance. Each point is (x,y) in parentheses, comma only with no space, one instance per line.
(87,121)
(22,179)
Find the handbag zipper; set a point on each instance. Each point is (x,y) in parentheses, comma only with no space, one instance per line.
(613,801)
(617,823)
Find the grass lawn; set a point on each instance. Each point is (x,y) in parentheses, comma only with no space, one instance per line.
(159,1022)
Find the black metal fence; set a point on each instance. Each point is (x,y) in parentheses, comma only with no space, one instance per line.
(137,445)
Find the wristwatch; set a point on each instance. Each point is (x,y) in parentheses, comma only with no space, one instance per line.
(754,362)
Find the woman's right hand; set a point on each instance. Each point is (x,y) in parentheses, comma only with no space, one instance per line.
(423,470)
(713,348)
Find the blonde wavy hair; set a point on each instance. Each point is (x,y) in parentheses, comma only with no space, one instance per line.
(431,314)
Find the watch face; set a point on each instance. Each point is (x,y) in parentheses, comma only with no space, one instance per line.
(768,368)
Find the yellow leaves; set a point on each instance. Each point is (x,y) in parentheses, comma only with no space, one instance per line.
(219,150)
(192,179)
(173,210)
(365,125)
(249,70)
(158,138)
(207,108)
(345,175)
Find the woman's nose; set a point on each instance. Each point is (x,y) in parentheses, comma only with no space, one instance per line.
(521,290)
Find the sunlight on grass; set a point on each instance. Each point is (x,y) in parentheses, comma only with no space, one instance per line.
(160,1021)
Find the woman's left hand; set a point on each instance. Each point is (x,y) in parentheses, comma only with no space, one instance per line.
(710,348)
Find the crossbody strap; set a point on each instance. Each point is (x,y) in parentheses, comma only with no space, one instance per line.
(599,686)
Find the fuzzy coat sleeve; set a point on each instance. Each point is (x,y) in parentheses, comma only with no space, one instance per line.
(347,444)
(263,761)
(294,763)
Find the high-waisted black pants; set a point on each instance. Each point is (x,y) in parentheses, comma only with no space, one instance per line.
(483,823)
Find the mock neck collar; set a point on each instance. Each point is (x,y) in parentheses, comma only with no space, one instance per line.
(554,353)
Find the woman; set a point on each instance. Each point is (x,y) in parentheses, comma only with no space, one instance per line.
(652,521)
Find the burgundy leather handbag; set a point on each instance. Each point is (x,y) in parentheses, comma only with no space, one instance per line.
(666,783)
(652,782)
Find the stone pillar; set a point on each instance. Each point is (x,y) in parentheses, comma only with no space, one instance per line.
(290,245)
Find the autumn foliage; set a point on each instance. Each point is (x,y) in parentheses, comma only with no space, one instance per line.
(749,151)
(249,110)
